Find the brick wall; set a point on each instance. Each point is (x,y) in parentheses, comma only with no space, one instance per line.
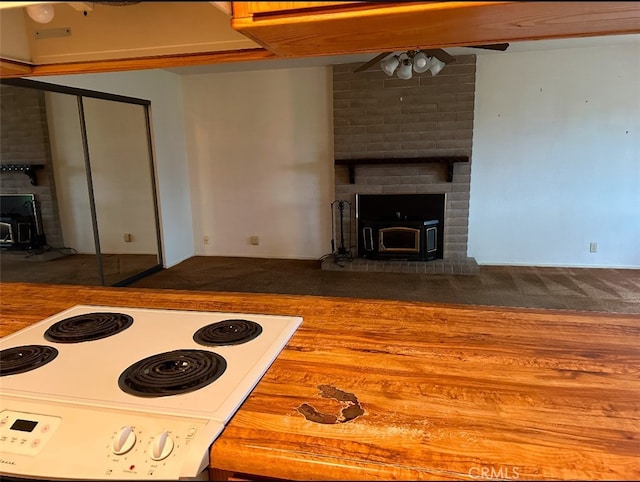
(25,140)
(376,116)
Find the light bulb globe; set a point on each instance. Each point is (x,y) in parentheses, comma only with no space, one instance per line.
(41,13)
(420,62)
(436,65)
(390,65)
(405,70)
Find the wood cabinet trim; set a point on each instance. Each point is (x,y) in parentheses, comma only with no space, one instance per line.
(11,68)
(161,62)
(435,24)
(254,9)
(295,9)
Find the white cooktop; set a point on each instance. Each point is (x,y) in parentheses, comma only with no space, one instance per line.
(88,372)
(70,419)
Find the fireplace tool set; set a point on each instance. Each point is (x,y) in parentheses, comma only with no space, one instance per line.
(342,253)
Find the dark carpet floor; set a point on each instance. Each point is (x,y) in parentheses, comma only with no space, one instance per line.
(608,290)
(601,289)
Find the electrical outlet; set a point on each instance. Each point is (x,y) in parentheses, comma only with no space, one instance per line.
(593,247)
(205,239)
(128,237)
(255,240)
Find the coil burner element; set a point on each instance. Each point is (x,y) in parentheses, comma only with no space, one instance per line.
(172,373)
(25,358)
(88,327)
(227,332)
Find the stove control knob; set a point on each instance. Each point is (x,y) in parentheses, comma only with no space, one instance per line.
(123,441)
(161,446)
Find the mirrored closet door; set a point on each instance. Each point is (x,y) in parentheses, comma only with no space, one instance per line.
(95,214)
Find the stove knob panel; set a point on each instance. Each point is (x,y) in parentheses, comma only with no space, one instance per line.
(161,446)
(123,441)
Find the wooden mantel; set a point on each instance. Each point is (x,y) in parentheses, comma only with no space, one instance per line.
(448,160)
(29,169)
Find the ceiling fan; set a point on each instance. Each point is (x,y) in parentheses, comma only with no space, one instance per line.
(419,60)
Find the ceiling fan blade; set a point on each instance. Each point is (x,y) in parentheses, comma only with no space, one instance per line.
(501,47)
(373,61)
(440,55)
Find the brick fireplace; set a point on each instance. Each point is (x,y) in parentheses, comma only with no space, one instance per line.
(25,148)
(426,117)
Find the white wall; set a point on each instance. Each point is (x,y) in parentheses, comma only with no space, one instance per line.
(260,150)
(162,88)
(14,43)
(556,158)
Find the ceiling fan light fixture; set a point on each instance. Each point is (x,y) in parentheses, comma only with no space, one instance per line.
(420,62)
(435,65)
(41,12)
(390,65)
(405,71)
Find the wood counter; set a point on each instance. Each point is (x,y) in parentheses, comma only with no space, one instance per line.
(446,392)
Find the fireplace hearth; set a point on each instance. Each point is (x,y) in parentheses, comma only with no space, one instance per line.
(461,266)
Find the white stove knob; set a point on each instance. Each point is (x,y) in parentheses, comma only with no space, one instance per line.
(161,446)
(123,441)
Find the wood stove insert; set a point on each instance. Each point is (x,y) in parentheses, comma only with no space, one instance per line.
(400,226)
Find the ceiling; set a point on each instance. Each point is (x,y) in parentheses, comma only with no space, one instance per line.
(96,31)
(345,59)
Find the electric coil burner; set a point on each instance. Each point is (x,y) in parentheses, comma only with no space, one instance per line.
(228,332)
(172,373)
(87,327)
(21,359)
(99,392)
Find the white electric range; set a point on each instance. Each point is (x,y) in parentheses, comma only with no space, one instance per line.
(101,392)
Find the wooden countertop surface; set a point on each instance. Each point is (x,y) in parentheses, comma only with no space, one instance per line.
(428,391)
